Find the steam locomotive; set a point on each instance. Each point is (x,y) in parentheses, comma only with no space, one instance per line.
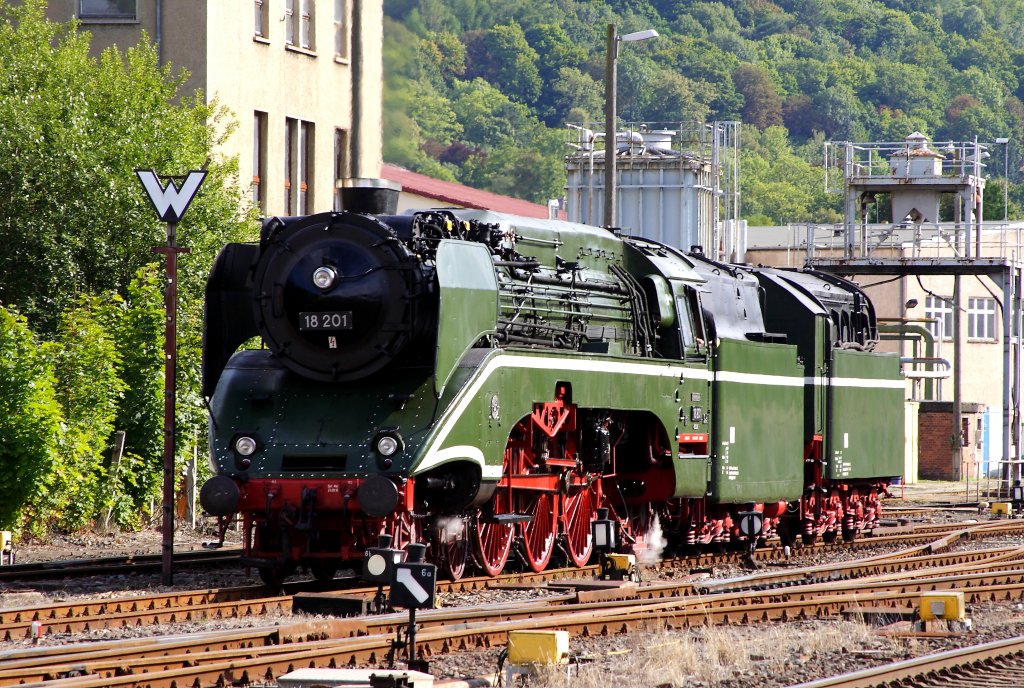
(483,384)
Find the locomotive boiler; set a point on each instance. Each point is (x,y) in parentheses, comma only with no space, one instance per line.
(483,383)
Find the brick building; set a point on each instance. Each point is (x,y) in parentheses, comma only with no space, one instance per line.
(944,453)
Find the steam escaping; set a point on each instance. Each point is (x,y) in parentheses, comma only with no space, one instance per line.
(451,527)
(654,545)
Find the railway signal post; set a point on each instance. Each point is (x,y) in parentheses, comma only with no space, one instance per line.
(750,526)
(414,587)
(170,201)
(379,567)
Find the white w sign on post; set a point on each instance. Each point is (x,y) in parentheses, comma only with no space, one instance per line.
(169,200)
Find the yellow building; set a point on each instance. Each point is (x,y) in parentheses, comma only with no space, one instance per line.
(302,79)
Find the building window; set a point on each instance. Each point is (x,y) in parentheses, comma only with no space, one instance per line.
(981,318)
(106,9)
(299,27)
(289,21)
(340,164)
(307,38)
(291,169)
(262,16)
(259,161)
(341,29)
(306,152)
(941,309)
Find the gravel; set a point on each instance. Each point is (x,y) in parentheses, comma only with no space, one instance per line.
(751,656)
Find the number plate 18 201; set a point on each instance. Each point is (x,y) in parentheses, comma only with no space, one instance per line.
(325,320)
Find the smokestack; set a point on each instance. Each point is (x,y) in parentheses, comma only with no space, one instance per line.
(370,196)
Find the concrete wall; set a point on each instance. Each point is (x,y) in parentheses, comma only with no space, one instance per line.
(216,42)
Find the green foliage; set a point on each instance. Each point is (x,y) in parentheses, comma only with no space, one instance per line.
(780,182)
(762,106)
(74,130)
(856,70)
(502,57)
(76,233)
(30,418)
(138,322)
(522,156)
(88,388)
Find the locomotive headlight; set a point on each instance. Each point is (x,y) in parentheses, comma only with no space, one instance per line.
(387,445)
(245,446)
(324,276)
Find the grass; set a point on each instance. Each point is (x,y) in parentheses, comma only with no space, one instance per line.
(710,656)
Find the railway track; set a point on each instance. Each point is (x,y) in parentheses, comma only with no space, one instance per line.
(72,568)
(72,617)
(998,664)
(881,582)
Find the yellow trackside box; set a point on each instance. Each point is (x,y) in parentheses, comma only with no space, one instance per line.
(623,562)
(948,605)
(1002,507)
(538,647)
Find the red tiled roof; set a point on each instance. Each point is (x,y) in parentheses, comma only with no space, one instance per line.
(460,195)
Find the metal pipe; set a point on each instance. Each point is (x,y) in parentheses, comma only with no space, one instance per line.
(610,94)
(957,440)
(159,33)
(1008,280)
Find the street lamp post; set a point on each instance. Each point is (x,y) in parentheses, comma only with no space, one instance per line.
(1005,143)
(610,96)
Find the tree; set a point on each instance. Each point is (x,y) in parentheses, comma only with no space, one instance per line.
(487,115)
(442,58)
(575,97)
(74,129)
(762,106)
(555,49)
(678,99)
(504,58)
(75,228)
(781,185)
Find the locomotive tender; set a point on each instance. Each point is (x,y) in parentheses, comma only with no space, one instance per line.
(483,383)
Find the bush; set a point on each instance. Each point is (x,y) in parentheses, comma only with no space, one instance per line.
(89,391)
(30,419)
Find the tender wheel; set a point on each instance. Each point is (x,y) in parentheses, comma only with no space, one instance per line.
(808,538)
(829,536)
(539,532)
(577,512)
(492,540)
(849,534)
(274,576)
(323,570)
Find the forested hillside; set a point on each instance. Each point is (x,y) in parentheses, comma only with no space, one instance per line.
(479,91)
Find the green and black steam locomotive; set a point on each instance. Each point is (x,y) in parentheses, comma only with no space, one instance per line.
(483,384)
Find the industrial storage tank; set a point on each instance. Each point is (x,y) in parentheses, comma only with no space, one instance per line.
(677,184)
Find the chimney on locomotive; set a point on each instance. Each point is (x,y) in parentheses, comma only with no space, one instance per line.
(369,196)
